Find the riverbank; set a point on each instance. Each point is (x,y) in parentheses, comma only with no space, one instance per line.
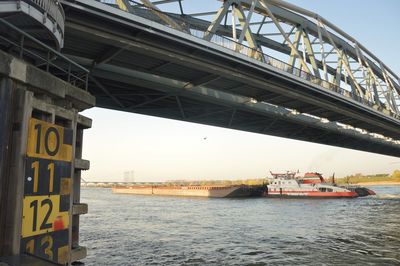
(371,180)
(379,183)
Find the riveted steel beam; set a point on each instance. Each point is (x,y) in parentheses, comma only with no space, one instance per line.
(244,22)
(202,81)
(296,42)
(291,45)
(217,20)
(310,53)
(108,55)
(135,106)
(343,57)
(180,107)
(106,91)
(322,51)
(169,21)
(124,5)
(246,32)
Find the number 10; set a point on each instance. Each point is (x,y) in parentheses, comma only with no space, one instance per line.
(52,151)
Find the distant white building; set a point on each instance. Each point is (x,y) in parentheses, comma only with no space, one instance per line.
(129,176)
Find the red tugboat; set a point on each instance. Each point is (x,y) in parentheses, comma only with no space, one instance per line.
(312,185)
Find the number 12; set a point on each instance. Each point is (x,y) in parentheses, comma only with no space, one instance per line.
(44,225)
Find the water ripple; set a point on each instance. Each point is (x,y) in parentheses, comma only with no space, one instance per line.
(145,230)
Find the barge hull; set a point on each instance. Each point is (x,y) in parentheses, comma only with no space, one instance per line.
(193,191)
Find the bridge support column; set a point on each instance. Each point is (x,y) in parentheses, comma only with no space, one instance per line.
(41,134)
(13,120)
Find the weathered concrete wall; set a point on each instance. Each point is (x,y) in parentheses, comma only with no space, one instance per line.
(27,92)
(43,83)
(13,121)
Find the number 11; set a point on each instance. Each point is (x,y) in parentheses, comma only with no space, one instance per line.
(35,167)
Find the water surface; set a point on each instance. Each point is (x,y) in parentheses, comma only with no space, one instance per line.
(153,230)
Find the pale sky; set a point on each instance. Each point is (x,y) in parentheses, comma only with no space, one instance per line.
(158,149)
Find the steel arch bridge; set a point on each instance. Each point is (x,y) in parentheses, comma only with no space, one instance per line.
(206,64)
(263,66)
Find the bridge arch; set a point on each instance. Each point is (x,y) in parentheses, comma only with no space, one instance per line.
(309,45)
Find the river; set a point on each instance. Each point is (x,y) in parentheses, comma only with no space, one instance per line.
(153,230)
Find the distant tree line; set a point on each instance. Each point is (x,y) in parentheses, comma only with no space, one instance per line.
(360,178)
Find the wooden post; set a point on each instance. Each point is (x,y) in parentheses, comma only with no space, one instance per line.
(15,111)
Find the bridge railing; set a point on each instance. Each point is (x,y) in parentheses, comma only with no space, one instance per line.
(43,56)
(53,9)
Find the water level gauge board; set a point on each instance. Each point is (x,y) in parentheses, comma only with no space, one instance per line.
(47,188)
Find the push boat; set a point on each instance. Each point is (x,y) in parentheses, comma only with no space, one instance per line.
(311,185)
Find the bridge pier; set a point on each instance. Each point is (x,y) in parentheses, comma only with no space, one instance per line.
(41,136)
(11,162)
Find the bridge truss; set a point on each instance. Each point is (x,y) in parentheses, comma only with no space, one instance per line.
(287,37)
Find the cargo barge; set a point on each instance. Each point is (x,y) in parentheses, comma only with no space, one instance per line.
(193,191)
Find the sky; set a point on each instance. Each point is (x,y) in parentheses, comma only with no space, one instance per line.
(158,149)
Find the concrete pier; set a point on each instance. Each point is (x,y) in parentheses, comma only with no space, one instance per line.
(41,137)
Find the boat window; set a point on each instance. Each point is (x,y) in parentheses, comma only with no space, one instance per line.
(322,189)
(329,190)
